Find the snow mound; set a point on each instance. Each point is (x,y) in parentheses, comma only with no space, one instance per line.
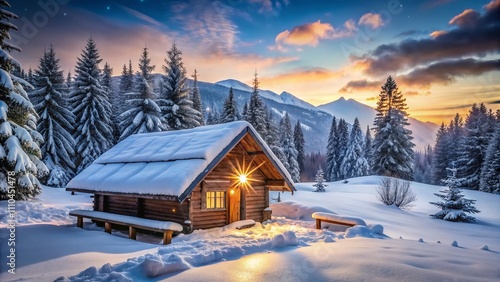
(295,210)
(454,244)
(30,212)
(339,218)
(360,231)
(485,248)
(377,228)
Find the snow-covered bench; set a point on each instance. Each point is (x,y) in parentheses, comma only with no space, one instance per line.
(336,219)
(133,223)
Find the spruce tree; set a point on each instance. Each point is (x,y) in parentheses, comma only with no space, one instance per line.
(341,149)
(478,131)
(354,163)
(331,152)
(288,147)
(69,80)
(244,112)
(367,148)
(213,116)
(230,109)
(196,99)
(256,113)
(20,163)
(178,110)
(392,153)
(92,109)
(55,124)
(320,185)
(298,139)
(454,206)
(441,158)
(490,173)
(272,138)
(144,114)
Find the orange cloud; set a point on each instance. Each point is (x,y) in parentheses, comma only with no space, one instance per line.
(492,5)
(467,18)
(306,34)
(438,33)
(372,20)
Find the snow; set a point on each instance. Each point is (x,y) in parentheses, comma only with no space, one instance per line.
(157,224)
(284,248)
(160,163)
(340,218)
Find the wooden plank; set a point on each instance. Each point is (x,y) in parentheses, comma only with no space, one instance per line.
(167,237)
(275,182)
(79,222)
(132,232)
(107,227)
(318,223)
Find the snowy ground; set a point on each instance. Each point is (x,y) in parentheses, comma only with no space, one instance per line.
(288,248)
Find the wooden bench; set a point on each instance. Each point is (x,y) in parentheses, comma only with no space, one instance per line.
(133,223)
(336,219)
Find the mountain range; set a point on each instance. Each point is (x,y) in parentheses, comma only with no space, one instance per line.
(316,121)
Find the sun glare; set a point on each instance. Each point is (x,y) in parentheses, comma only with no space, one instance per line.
(241,173)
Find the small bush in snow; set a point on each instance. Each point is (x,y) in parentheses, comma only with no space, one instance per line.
(320,185)
(454,206)
(392,191)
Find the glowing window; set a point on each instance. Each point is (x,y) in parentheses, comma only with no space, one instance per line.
(216,200)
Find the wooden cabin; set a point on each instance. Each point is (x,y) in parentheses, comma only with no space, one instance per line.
(201,178)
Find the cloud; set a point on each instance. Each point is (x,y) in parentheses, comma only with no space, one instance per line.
(438,33)
(269,6)
(140,16)
(361,85)
(372,20)
(446,72)
(310,34)
(497,102)
(478,39)
(298,76)
(412,32)
(467,18)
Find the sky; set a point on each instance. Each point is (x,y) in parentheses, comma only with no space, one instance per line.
(444,54)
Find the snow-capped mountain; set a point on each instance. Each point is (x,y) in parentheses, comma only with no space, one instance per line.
(424,133)
(235,84)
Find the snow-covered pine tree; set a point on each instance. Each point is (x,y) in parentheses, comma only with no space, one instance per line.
(367,148)
(178,111)
(69,80)
(55,124)
(392,153)
(320,185)
(144,114)
(298,139)
(454,207)
(196,98)
(244,112)
(490,174)
(92,109)
(272,138)
(30,76)
(341,149)
(213,115)
(354,163)
(441,160)
(256,113)
(331,150)
(19,141)
(479,128)
(288,147)
(230,109)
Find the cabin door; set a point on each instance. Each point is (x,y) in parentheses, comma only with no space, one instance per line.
(234,205)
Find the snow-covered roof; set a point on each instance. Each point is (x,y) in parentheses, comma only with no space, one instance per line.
(169,163)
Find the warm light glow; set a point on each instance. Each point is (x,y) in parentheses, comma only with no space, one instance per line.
(173,210)
(243,178)
(232,191)
(242,172)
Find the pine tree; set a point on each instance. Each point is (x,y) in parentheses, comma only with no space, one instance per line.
(230,109)
(69,80)
(244,113)
(478,131)
(441,159)
(490,173)
(20,163)
(30,76)
(288,147)
(354,163)
(256,113)
(56,120)
(320,185)
(331,150)
(178,111)
(341,149)
(272,138)
(196,98)
(144,114)
(368,147)
(392,153)
(298,139)
(91,107)
(454,206)
(213,116)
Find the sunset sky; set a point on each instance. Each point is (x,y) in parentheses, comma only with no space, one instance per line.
(444,54)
